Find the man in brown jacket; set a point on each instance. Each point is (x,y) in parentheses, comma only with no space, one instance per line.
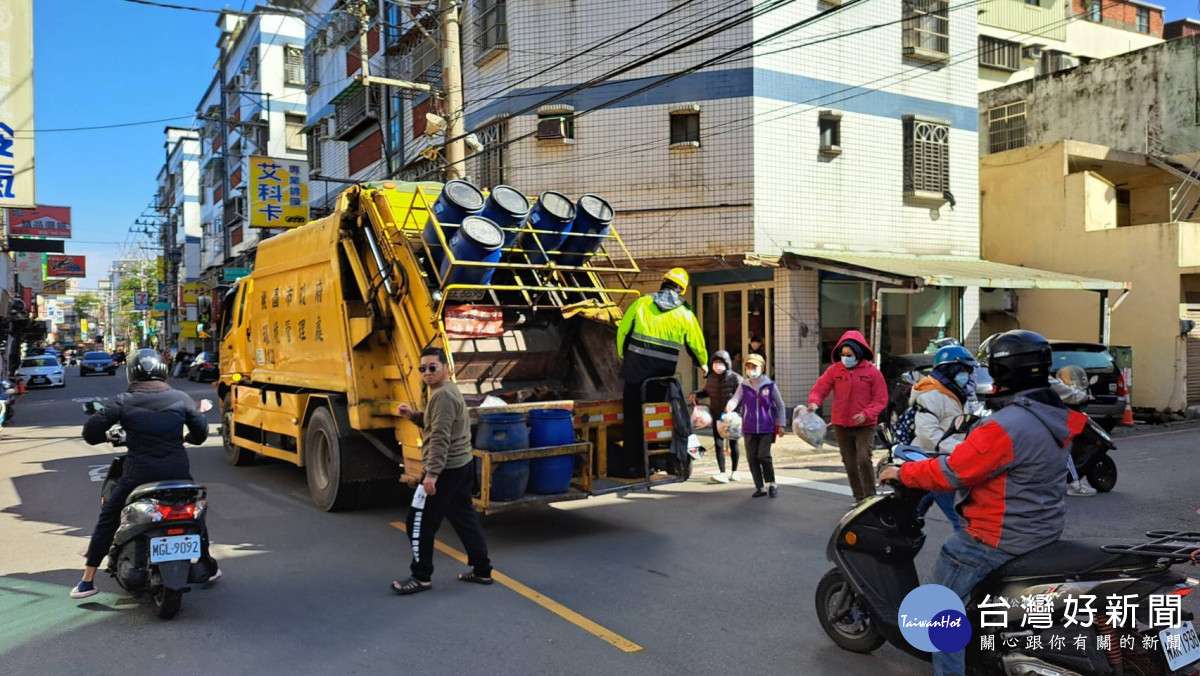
(448,482)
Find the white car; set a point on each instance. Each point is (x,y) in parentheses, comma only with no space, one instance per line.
(42,369)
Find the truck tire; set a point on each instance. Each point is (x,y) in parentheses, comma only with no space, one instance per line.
(234,454)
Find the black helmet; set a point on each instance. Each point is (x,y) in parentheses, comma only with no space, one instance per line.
(1019,360)
(146,365)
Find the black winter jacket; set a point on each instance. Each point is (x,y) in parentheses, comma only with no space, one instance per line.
(153,416)
(719,389)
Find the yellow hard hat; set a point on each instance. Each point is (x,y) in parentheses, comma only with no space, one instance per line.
(679,276)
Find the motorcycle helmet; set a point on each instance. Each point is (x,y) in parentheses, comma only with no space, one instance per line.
(1019,360)
(146,365)
(954,354)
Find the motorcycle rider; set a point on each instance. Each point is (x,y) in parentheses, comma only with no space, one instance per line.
(1010,474)
(939,399)
(153,416)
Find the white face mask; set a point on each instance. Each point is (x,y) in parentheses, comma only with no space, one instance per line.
(718,368)
(849,362)
(962,379)
(753,373)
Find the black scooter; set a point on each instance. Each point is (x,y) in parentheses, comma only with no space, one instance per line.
(873,550)
(157,548)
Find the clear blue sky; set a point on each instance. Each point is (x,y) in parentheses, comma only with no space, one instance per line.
(109,62)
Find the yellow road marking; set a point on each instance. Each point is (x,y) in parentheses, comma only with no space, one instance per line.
(604,634)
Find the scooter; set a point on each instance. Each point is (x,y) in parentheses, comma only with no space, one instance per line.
(8,402)
(157,548)
(873,550)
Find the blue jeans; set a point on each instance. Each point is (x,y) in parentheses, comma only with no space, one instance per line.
(963,563)
(946,502)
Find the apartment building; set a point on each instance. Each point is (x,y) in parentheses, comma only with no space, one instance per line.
(1023,39)
(178,205)
(254,106)
(814,167)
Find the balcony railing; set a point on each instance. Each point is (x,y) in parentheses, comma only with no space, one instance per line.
(926,34)
(356,108)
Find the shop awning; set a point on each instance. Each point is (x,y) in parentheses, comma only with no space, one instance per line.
(954,271)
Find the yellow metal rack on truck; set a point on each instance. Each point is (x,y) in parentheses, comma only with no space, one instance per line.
(320,344)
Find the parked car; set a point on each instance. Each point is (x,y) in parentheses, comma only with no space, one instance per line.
(98,362)
(42,369)
(206,367)
(1106,382)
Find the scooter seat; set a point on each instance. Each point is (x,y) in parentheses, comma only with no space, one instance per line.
(161,486)
(1068,557)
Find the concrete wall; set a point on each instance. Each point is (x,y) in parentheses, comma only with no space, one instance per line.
(1113,102)
(1031,217)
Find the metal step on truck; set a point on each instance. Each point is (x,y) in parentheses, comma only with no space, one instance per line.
(321,343)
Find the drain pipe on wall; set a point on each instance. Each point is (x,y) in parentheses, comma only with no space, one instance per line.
(877,313)
(1106,311)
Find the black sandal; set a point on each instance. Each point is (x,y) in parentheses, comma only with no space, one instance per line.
(472,577)
(410,586)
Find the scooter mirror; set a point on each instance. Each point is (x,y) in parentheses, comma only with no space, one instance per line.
(206,405)
(92,407)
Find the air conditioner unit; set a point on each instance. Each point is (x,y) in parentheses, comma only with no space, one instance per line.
(1066,62)
(1032,52)
(552,128)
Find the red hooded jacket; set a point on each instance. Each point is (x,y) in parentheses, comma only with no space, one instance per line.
(857,390)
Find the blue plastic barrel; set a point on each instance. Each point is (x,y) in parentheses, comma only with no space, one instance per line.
(477,240)
(458,200)
(553,212)
(593,216)
(551,427)
(507,208)
(505,432)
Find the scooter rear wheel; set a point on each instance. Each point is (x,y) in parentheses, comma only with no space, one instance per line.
(854,630)
(1102,475)
(167,602)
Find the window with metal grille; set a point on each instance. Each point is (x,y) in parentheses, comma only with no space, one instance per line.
(1093,10)
(293,65)
(1006,127)
(926,31)
(685,127)
(489,163)
(926,156)
(1000,54)
(293,134)
(250,68)
(493,25)
(1143,19)
(315,136)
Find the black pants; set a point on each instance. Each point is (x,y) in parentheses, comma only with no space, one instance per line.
(451,501)
(718,447)
(110,519)
(629,462)
(758,456)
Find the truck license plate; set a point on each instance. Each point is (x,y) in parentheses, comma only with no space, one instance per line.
(1188,649)
(174,548)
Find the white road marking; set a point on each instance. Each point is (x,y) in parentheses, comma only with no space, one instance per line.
(97,473)
(825,486)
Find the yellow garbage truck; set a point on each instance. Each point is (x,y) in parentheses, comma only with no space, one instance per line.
(321,343)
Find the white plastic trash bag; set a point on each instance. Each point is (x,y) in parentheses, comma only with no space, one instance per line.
(808,426)
(701,417)
(694,448)
(493,402)
(730,426)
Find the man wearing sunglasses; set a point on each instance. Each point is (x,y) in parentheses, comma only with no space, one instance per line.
(448,482)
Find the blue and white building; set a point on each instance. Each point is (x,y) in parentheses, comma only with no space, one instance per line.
(178,203)
(255,105)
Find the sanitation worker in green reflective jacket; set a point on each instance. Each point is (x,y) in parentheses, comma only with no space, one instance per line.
(653,331)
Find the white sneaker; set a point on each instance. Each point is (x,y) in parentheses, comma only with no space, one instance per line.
(735,476)
(1079,489)
(718,479)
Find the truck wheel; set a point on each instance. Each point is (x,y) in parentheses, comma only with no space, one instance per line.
(323,462)
(234,454)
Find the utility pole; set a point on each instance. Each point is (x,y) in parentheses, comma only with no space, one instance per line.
(455,146)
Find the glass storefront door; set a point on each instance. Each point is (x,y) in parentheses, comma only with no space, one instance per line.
(732,315)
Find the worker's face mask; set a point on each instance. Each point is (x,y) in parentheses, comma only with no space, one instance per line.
(718,368)
(849,362)
(753,373)
(962,379)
